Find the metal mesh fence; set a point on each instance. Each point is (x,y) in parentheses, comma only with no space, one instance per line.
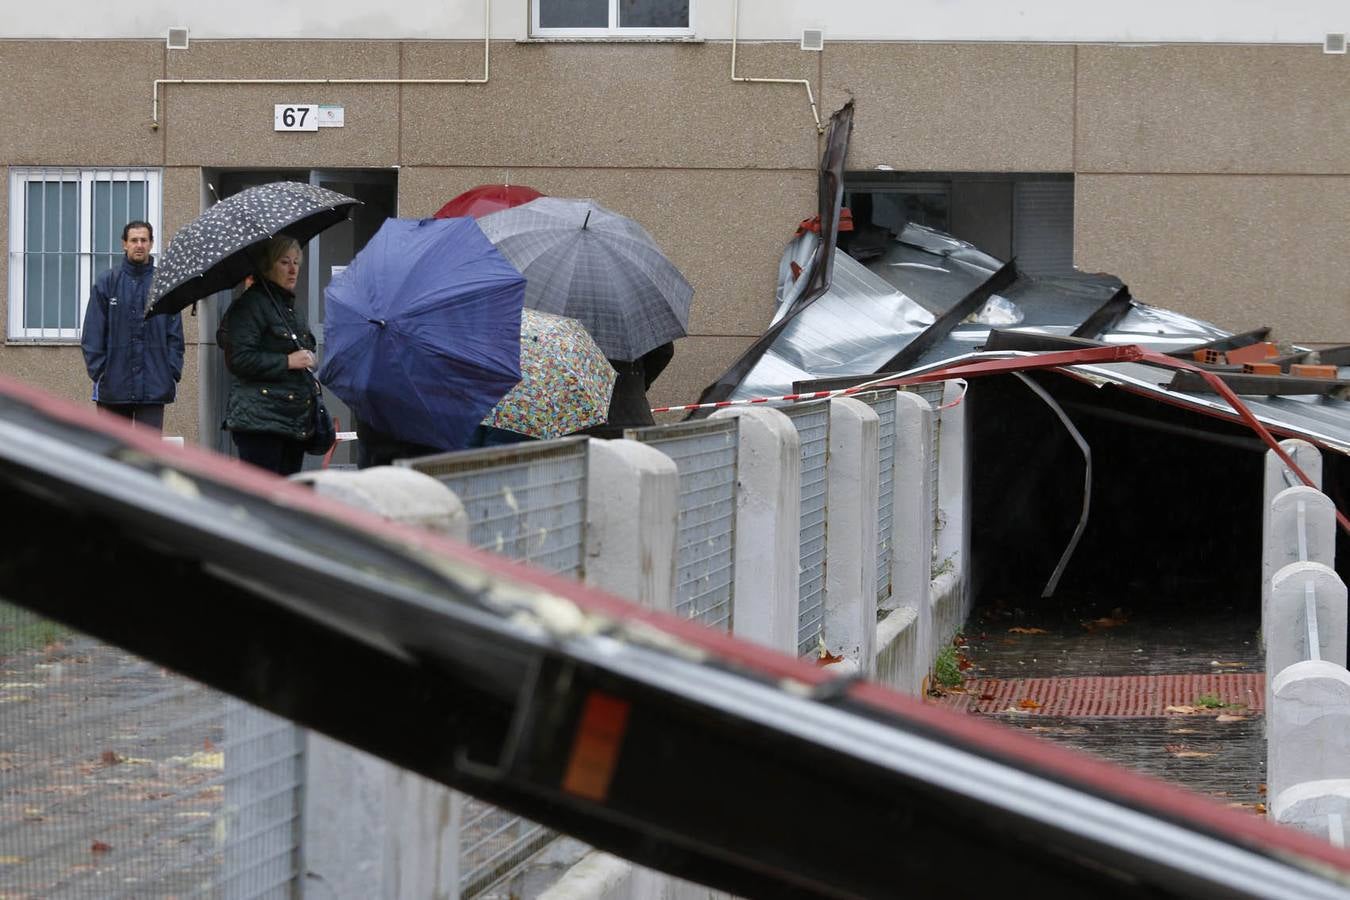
(933,394)
(883,404)
(705,455)
(525,501)
(528,502)
(121,779)
(812,421)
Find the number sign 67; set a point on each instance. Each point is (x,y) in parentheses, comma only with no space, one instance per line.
(296,117)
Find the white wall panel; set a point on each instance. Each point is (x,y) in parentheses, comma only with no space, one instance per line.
(1147,21)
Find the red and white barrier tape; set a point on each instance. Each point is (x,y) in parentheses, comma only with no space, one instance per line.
(814,395)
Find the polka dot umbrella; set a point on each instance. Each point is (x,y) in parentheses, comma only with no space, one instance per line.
(210,253)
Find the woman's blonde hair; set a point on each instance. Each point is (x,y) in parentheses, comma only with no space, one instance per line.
(268,252)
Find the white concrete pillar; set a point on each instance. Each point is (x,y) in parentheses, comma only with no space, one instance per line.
(768,513)
(1321,808)
(632,519)
(370,828)
(1285,628)
(402,495)
(912,540)
(1309,725)
(851,533)
(1277,478)
(1280,543)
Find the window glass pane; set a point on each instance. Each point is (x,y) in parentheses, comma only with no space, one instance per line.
(51,261)
(573,13)
(653,13)
(115,204)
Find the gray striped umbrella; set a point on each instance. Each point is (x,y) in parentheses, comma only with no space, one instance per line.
(588,263)
(210,253)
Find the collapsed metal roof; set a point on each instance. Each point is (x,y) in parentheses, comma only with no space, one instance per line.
(930,297)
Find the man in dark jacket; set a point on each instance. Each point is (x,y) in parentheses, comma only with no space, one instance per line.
(135,363)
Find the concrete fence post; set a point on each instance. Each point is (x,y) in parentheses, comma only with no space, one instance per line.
(402,495)
(1280,544)
(1309,730)
(1278,477)
(851,533)
(912,543)
(632,519)
(768,512)
(371,829)
(1317,807)
(1286,627)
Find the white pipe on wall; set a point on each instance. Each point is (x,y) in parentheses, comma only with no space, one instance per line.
(810,95)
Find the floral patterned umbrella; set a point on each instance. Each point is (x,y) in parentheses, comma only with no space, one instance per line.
(565,380)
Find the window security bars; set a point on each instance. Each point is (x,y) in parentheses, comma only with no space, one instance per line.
(120,779)
(704,453)
(528,502)
(65,228)
(812,421)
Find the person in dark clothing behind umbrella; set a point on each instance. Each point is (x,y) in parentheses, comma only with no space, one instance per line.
(628,406)
(270,408)
(134,362)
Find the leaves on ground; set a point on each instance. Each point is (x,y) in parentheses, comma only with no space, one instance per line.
(1181,751)
(99,847)
(1227,718)
(1018,629)
(1028,703)
(1179,710)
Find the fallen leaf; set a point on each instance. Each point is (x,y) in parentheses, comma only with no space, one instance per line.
(110,758)
(1181,751)
(1225,717)
(208,746)
(99,847)
(1261,808)
(1183,731)
(1229,665)
(10,860)
(1027,703)
(1180,710)
(963,664)
(824,659)
(1261,789)
(1104,622)
(987,697)
(1018,629)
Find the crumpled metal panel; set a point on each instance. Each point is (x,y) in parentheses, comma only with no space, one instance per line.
(855,327)
(1156,328)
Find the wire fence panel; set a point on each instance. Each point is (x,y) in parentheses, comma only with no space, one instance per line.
(812,421)
(121,779)
(932,392)
(704,453)
(883,404)
(528,502)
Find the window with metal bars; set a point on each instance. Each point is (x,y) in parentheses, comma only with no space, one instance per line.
(65,228)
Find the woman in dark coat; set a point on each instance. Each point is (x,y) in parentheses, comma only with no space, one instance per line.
(270,408)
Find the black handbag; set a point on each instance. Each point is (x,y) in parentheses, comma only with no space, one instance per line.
(325,435)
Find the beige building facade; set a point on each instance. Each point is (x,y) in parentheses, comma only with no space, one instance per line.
(1213,178)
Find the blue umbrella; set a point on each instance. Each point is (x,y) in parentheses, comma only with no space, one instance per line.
(423,331)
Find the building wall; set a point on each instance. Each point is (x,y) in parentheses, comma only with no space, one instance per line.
(1214,179)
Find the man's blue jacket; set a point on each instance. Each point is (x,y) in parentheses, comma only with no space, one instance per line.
(130,358)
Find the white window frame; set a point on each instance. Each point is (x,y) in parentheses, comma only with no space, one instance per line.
(613,31)
(19,177)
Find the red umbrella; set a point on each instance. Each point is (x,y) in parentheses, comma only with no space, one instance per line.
(487,198)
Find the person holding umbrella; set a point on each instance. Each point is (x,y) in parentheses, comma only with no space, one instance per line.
(269,412)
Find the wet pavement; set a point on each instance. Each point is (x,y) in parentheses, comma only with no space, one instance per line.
(1171,689)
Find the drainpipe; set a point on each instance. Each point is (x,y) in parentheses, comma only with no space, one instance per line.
(487,35)
(810,95)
